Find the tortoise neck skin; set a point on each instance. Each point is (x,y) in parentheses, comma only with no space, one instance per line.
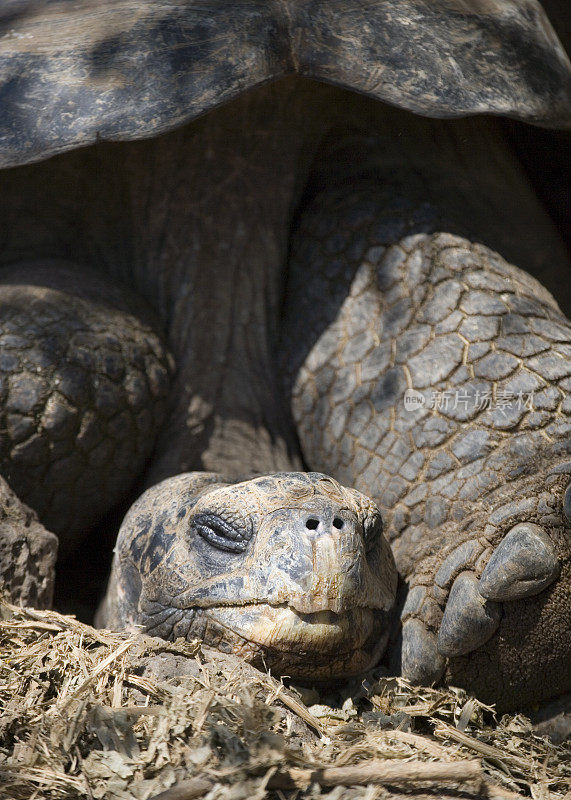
(197,221)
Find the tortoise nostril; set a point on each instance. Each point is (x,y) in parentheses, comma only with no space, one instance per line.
(312,524)
(338,523)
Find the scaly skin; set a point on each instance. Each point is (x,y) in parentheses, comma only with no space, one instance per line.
(434,314)
(198,222)
(83,386)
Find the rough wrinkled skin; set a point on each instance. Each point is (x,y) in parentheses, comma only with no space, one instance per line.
(27,552)
(84,379)
(308,256)
(484,345)
(488,353)
(290,570)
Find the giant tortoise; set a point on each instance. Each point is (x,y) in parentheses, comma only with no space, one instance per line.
(246,238)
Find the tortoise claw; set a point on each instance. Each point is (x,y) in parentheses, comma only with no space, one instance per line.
(521,566)
(469,620)
(421,662)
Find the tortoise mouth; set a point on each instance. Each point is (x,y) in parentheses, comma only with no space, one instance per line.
(317,646)
(281,626)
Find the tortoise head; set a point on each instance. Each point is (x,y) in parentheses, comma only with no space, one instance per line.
(290,570)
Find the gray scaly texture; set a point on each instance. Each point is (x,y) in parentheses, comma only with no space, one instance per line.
(395,308)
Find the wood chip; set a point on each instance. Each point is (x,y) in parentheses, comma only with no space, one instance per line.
(375,773)
(444,731)
(279,693)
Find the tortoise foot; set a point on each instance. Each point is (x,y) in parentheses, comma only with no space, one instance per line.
(523,564)
(489,613)
(83,389)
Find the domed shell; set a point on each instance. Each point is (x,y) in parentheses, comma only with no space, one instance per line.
(75,73)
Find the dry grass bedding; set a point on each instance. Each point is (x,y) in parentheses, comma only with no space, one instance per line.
(94,714)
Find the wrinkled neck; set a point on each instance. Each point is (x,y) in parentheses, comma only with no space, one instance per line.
(198,222)
(212,239)
(212,213)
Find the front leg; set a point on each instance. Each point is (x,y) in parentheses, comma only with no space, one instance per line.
(435,377)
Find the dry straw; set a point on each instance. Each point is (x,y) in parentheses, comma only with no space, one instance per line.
(93,714)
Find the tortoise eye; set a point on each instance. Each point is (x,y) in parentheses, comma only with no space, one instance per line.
(219,533)
(567,503)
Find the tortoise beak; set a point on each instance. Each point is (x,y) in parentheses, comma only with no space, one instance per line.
(320,563)
(330,572)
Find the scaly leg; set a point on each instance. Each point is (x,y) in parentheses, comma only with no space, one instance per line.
(434,376)
(83,387)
